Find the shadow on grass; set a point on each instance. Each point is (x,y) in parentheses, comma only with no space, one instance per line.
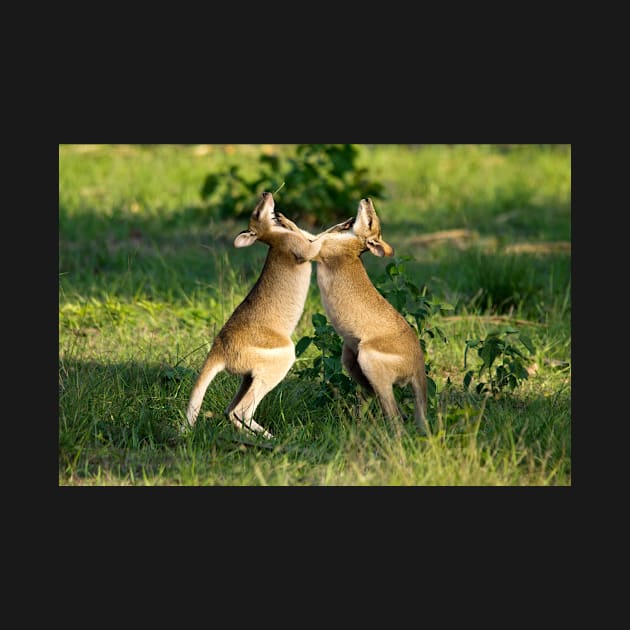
(121,422)
(161,254)
(107,411)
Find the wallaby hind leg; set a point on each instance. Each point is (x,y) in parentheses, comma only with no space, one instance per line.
(271,367)
(385,394)
(420,410)
(349,360)
(246,382)
(242,413)
(374,366)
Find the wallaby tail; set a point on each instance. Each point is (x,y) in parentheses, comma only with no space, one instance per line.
(214,363)
(419,385)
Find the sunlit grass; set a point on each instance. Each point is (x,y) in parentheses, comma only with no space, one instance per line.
(147,278)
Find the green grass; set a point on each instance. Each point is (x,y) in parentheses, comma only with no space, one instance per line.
(148,276)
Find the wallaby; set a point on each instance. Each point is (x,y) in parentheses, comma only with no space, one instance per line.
(380,349)
(255,342)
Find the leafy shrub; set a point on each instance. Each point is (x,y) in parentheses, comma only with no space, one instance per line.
(412,302)
(503,363)
(322,184)
(416,305)
(327,367)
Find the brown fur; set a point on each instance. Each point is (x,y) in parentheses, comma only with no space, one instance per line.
(380,348)
(256,341)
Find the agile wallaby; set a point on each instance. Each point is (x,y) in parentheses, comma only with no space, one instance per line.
(256,342)
(380,349)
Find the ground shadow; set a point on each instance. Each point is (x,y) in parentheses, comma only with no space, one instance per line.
(121,421)
(130,254)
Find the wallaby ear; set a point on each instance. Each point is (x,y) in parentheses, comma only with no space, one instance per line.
(245,238)
(380,248)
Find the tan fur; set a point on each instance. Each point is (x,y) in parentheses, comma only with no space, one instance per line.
(256,341)
(380,348)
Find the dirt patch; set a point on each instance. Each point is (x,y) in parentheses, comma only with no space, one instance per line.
(552,247)
(460,237)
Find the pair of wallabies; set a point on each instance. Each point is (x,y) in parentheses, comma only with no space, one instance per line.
(380,348)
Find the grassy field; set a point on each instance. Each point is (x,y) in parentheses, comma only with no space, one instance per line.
(148,275)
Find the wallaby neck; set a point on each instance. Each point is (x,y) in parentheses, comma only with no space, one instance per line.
(347,266)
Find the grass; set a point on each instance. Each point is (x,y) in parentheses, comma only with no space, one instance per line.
(148,276)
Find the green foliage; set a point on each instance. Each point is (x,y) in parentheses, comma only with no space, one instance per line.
(414,303)
(322,184)
(327,369)
(146,282)
(503,363)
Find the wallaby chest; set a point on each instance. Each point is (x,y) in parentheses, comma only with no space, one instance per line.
(278,297)
(345,292)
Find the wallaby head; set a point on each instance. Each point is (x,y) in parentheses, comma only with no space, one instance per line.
(358,234)
(367,228)
(264,225)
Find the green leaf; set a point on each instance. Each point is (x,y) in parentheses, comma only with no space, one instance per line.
(272,161)
(492,348)
(319,320)
(332,365)
(489,353)
(302,345)
(527,342)
(518,369)
(514,351)
(467,378)
(209,186)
